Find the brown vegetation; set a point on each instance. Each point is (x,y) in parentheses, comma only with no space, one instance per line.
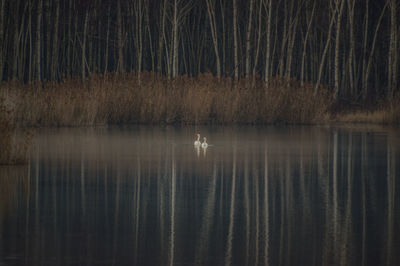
(119,99)
(12,150)
(385,112)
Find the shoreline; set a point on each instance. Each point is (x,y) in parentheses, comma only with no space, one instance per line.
(122,99)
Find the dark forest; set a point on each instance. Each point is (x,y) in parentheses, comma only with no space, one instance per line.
(351,46)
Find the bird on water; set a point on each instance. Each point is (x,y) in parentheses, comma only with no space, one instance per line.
(204,144)
(197,142)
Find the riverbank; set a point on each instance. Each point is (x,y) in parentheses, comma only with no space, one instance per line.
(123,99)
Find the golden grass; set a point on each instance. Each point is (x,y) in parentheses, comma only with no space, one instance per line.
(119,99)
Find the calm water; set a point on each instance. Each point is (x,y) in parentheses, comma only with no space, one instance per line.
(258,196)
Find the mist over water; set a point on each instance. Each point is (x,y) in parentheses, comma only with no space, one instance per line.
(256,196)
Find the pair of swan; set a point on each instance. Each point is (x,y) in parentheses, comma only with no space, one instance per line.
(197,143)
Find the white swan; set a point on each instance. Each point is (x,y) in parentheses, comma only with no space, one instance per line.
(197,142)
(204,144)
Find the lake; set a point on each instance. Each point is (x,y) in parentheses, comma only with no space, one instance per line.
(143,195)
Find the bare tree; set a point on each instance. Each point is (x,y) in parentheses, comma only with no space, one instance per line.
(37,40)
(235,41)
(84,39)
(328,40)
(303,57)
(350,7)
(337,44)
(393,50)
(2,48)
(54,54)
(214,34)
(372,50)
(248,35)
(120,67)
(268,6)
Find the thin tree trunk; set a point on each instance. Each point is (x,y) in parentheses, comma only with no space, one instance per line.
(213,26)
(222,5)
(292,37)
(322,61)
(47,36)
(30,45)
(2,7)
(248,36)
(107,39)
(303,57)
(284,40)
(337,46)
(161,37)
(37,41)
(268,44)
(258,42)
(393,51)
(150,36)
(69,41)
(16,42)
(235,41)
(139,36)
(350,7)
(120,67)
(365,41)
(83,56)
(175,40)
(372,50)
(54,56)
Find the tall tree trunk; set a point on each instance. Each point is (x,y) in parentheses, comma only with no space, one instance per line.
(322,62)
(214,34)
(47,27)
(268,62)
(365,41)
(161,37)
(258,41)
(37,40)
(292,37)
(284,40)
(15,9)
(138,36)
(337,46)
(83,56)
(248,36)
(393,50)
(120,67)
(350,7)
(235,41)
(150,35)
(303,57)
(175,40)
(107,39)
(371,54)
(222,6)
(69,40)
(54,56)
(2,48)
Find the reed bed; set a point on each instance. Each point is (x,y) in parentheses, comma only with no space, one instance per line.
(122,99)
(384,112)
(13,148)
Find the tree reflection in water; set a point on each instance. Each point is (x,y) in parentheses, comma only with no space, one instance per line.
(290,196)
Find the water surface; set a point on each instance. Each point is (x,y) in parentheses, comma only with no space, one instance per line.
(257,196)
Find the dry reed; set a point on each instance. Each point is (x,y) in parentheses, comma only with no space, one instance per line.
(121,98)
(12,149)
